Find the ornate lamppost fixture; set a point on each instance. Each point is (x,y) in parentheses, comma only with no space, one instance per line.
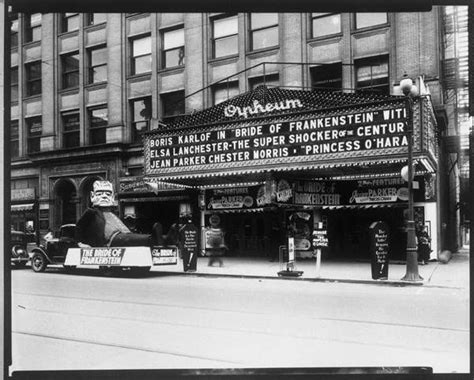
(410,91)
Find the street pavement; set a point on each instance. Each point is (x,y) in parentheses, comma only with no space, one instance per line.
(454,274)
(213,319)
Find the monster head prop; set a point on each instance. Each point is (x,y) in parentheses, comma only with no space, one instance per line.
(102,194)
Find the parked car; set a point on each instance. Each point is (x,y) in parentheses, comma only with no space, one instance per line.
(54,251)
(19,253)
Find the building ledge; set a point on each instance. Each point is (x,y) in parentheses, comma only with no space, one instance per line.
(84,152)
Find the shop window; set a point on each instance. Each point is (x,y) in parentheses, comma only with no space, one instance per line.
(98,121)
(14,139)
(325,24)
(172,105)
(272,80)
(33,27)
(263,30)
(34,127)
(224,91)
(141,115)
(69,22)
(365,20)
(225,36)
(71,129)
(33,78)
(14,30)
(96,18)
(97,64)
(173,48)
(14,84)
(327,76)
(141,55)
(372,75)
(70,70)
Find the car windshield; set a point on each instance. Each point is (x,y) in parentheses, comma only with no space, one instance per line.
(18,237)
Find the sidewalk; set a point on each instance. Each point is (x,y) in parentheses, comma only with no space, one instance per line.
(454,274)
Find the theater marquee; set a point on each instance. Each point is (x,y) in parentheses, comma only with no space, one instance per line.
(302,138)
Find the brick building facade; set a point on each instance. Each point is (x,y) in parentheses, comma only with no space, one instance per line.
(86,86)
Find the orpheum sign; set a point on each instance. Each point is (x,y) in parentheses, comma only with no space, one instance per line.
(302,139)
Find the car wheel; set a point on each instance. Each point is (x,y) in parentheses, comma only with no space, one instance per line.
(139,271)
(38,262)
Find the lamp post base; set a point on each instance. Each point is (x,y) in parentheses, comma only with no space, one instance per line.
(412,267)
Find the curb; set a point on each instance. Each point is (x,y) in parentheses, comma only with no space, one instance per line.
(319,279)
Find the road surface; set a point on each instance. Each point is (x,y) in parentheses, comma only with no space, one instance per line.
(64,321)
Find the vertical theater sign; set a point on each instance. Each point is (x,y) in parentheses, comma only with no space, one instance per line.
(292,151)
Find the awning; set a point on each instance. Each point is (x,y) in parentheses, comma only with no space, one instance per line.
(22,207)
(239,210)
(165,198)
(377,167)
(364,206)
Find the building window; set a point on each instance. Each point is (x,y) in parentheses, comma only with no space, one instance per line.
(14,139)
(372,75)
(225,36)
(14,84)
(71,129)
(173,48)
(97,64)
(33,27)
(69,22)
(325,24)
(96,18)
(141,55)
(263,30)
(365,20)
(34,128)
(141,115)
(14,30)
(70,70)
(327,76)
(224,91)
(33,78)
(98,121)
(172,105)
(272,80)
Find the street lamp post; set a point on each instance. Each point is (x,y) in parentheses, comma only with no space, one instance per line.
(410,90)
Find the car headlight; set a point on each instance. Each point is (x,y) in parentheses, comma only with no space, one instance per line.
(18,251)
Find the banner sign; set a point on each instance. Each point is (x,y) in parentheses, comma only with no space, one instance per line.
(315,193)
(101,256)
(231,198)
(225,145)
(164,255)
(138,185)
(239,197)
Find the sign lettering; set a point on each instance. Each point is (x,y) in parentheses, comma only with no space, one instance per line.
(101,256)
(225,145)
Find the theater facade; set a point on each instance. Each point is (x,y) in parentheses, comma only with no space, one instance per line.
(273,160)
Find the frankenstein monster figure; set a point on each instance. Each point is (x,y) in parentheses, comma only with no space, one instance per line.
(100,227)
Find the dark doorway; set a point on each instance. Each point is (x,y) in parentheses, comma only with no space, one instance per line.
(348,232)
(65,202)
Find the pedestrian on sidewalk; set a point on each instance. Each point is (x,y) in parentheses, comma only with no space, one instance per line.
(424,245)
